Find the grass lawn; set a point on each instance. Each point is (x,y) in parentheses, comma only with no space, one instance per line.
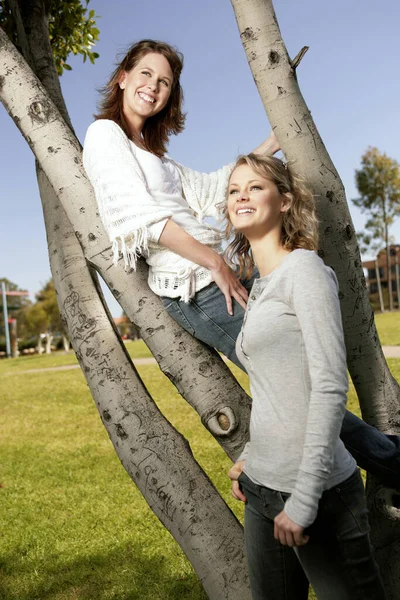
(136,349)
(388,325)
(73,526)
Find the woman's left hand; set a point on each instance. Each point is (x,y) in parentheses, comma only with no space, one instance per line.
(234,474)
(269,146)
(287,532)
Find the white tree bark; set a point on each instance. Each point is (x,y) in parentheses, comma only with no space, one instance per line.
(275,77)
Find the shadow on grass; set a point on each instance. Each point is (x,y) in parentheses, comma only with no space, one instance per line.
(126,573)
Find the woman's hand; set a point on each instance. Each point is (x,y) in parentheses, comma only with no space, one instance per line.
(233,474)
(269,147)
(226,279)
(287,532)
(176,239)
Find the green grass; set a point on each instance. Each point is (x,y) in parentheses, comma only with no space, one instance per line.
(137,349)
(72,524)
(388,326)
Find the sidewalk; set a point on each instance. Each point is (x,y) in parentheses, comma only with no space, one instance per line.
(391,351)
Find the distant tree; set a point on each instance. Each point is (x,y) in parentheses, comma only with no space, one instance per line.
(127,328)
(378,183)
(43,319)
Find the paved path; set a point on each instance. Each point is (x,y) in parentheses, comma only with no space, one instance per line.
(389,352)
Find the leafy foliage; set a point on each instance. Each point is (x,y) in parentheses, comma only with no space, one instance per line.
(72,29)
(378,183)
(44,315)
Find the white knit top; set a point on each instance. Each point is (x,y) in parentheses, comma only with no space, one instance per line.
(137,192)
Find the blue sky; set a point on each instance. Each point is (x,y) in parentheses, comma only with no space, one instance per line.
(349,78)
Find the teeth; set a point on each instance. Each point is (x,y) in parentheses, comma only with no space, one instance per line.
(146,98)
(242,211)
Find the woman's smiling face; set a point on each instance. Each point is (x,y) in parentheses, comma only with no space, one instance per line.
(255,204)
(147,88)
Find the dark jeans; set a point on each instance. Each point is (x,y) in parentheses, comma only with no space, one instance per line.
(338,558)
(206,318)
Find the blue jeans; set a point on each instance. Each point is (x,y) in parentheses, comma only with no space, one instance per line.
(338,558)
(206,318)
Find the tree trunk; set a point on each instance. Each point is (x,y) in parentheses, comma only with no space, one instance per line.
(388,265)
(66,344)
(39,347)
(378,282)
(155,455)
(13,338)
(275,76)
(198,372)
(49,339)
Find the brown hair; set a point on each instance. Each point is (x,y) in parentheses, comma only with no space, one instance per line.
(170,120)
(299,222)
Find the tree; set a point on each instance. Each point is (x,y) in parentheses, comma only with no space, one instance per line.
(126,328)
(43,319)
(378,183)
(156,457)
(275,76)
(71,28)
(154,454)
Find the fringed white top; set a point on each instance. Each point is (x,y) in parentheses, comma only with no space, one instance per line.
(137,193)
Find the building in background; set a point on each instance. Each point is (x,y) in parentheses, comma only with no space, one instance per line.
(377,278)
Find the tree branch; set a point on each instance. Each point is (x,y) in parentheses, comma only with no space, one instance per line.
(296,61)
(21,33)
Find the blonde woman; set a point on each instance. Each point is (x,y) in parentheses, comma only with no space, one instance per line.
(302,486)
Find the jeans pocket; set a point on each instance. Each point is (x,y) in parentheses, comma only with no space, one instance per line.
(209,290)
(274,502)
(175,311)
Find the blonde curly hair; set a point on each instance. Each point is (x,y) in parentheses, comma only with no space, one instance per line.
(299,222)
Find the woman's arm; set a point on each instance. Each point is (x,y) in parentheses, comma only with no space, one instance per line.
(128,211)
(206,192)
(315,301)
(175,238)
(269,146)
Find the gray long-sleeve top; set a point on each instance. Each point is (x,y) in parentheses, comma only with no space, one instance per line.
(292,347)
